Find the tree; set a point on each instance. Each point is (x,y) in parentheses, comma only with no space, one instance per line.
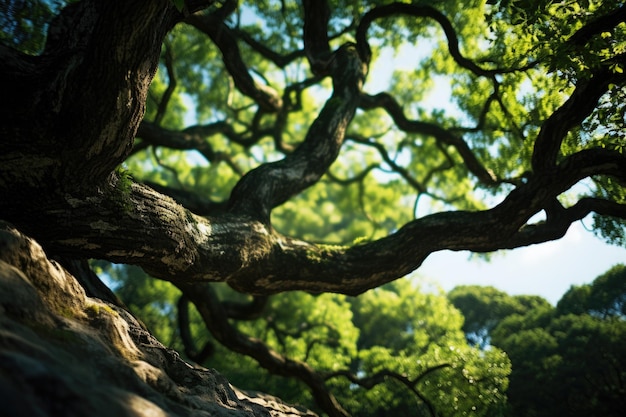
(565,364)
(567,360)
(485,307)
(96,161)
(604,297)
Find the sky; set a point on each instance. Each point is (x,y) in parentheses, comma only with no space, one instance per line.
(548,269)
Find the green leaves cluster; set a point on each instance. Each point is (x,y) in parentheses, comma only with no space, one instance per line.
(394,329)
(565,360)
(418,335)
(23,23)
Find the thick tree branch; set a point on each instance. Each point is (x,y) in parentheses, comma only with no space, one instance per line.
(602,24)
(559,222)
(270,185)
(316,46)
(51,105)
(191,200)
(571,114)
(252,258)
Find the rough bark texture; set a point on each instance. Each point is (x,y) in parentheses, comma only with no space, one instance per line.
(64,353)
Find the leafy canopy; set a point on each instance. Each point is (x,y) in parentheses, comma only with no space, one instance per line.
(569,359)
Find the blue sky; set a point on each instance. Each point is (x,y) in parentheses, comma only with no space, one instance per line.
(548,269)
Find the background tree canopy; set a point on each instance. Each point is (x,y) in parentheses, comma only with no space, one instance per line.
(569,360)
(235,150)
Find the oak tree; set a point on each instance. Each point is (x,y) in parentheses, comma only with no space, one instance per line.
(295,172)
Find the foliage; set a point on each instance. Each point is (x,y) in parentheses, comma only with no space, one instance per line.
(605,297)
(23,23)
(485,307)
(395,329)
(565,360)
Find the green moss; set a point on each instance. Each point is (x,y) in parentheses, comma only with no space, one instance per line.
(65,312)
(125,180)
(123,186)
(322,253)
(96,309)
(360,240)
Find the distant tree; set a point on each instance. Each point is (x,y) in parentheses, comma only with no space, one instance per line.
(485,307)
(249,143)
(605,296)
(575,300)
(574,366)
(569,360)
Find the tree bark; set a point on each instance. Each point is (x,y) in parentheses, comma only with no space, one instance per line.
(75,112)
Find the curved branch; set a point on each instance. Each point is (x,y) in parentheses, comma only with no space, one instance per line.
(416,11)
(297,334)
(391,106)
(558,222)
(226,41)
(356,178)
(192,353)
(93,285)
(245,311)
(231,310)
(171,86)
(270,185)
(216,321)
(355,269)
(254,259)
(404,173)
(571,114)
(281,61)
(316,46)
(602,24)
(595,161)
(380,377)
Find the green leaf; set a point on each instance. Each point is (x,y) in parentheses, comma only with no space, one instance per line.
(180,4)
